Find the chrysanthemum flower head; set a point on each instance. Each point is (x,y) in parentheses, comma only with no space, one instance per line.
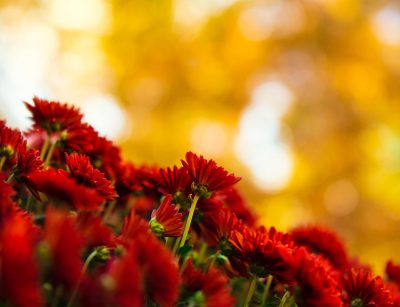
(65,243)
(166,221)
(255,254)
(236,203)
(322,241)
(175,181)
(316,281)
(53,116)
(206,288)
(19,270)
(392,271)
(158,268)
(207,177)
(61,189)
(216,227)
(84,173)
(363,289)
(11,140)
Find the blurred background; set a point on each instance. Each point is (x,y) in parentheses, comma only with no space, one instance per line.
(300,98)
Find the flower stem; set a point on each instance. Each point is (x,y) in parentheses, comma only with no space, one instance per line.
(10,177)
(202,252)
(266,289)
(250,291)
(176,244)
(28,203)
(213,259)
(84,269)
(189,220)
(44,148)
(109,210)
(56,296)
(50,153)
(2,161)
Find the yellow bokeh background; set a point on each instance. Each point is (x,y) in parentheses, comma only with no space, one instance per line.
(300,98)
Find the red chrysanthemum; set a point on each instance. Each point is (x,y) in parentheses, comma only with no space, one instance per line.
(323,242)
(62,189)
(65,246)
(19,279)
(255,253)
(84,173)
(105,155)
(28,163)
(206,288)
(123,281)
(158,268)
(11,140)
(79,137)
(206,175)
(133,226)
(53,116)
(363,289)
(235,202)
(7,205)
(175,181)
(94,231)
(166,221)
(393,272)
(216,227)
(316,282)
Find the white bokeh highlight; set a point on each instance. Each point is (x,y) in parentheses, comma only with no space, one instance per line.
(259,143)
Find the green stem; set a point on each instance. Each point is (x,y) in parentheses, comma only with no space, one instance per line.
(28,203)
(2,161)
(250,291)
(266,289)
(10,177)
(56,296)
(202,252)
(189,220)
(84,269)
(50,153)
(44,148)
(213,259)
(176,244)
(109,210)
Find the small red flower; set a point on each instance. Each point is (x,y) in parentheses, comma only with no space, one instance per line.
(393,272)
(206,288)
(235,202)
(166,221)
(61,188)
(79,137)
(7,205)
(255,253)
(158,269)
(216,227)
(11,140)
(65,246)
(94,232)
(123,281)
(206,176)
(133,226)
(28,163)
(316,283)
(175,181)
(323,242)
(53,116)
(19,270)
(363,289)
(84,173)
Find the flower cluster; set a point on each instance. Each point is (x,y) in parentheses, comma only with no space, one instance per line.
(80,226)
